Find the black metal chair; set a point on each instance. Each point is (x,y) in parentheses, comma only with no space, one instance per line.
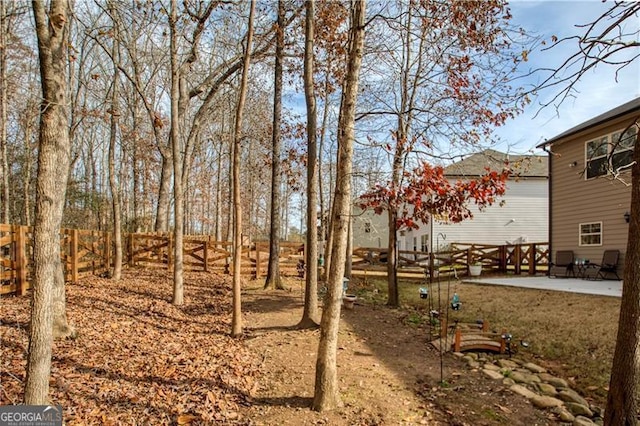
(563,265)
(608,266)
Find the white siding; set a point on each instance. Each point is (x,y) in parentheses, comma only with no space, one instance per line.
(522,218)
(378,230)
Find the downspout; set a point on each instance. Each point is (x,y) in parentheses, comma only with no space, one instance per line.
(550,203)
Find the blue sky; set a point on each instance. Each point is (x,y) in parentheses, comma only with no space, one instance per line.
(598,91)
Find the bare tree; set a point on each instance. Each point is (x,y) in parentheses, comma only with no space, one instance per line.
(53,162)
(178,230)
(4,165)
(236,322)
(326,395)
(113,184)
(310,312)
(273,269)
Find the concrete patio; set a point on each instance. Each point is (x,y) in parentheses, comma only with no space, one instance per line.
(571,285)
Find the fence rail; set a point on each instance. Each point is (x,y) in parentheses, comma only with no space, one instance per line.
(85,252)
(532,258)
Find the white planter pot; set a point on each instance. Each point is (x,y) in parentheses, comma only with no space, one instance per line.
(475,270)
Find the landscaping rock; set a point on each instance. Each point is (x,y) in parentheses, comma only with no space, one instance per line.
(493,374)
(489,366)
(534,368)
(541,401)
(553,380)
(582,421)
(569,395)
(564,415)
(473,364)
(547,389)
(458,354)
(505,363)
(507,381)
(579,409)
(529,379)
(521,390)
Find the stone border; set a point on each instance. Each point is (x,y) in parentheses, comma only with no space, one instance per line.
(542,389)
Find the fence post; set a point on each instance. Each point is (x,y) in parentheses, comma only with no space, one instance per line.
(169,251)
(517,259)
(107,251)
(73,255)
(130,248)
(20,256)
(532,259)
(206,255)
(258,261)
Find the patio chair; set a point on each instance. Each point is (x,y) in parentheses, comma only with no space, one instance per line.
(563,265)
(608,266)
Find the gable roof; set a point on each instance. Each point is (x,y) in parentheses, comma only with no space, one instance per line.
(522,165)
(609,115)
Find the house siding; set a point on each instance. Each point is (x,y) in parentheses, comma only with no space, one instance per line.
(378,229)
(576,200)
(523,218)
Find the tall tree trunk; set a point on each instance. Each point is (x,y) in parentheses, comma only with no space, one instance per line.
(60,325)
(326,395)
(53,165)
(162,207)
(4,167)
(113,182)
(392,256)
(236,321)
(178,195)
(622,400)
(323,133)
(273,270)
(310,312)
(218,217)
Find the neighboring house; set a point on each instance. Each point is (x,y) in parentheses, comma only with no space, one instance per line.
(370,229)
(588,205)
(520,216)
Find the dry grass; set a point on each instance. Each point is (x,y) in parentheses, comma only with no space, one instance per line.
(571,334)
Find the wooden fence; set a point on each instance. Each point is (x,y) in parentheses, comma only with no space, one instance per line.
(532,258)
(85,252)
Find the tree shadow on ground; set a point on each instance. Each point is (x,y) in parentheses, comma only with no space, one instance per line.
(285,401)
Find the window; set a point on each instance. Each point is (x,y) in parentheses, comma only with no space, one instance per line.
(591,234)
(622,148)
(597,151)
(424,243)
(609,152)
(367,227)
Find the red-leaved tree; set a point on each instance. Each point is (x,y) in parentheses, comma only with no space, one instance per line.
(426,192)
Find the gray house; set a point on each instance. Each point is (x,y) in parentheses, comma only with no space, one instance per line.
(589,185)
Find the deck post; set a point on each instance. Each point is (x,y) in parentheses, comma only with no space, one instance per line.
(532,259)
(517,259)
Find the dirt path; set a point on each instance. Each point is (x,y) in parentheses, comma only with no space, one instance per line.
(388,373)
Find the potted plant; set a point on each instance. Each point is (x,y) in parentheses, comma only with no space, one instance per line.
(475,268)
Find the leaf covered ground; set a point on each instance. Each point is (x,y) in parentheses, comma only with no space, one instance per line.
(138,360)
